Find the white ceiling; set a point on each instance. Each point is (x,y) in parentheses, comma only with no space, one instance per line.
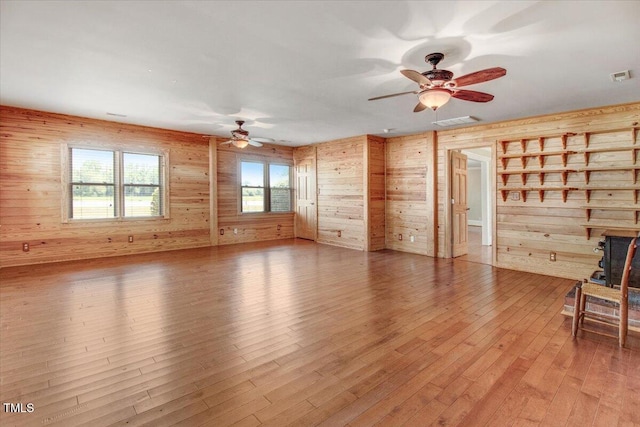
(301,71)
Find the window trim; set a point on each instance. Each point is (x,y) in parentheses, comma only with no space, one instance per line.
(119,183)
(266,182)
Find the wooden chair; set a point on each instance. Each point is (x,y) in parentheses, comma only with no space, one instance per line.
(619,296)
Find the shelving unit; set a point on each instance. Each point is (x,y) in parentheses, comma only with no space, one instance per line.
(588,189)
(603,192)
(504,158)
(607,226)
(590,207)
(633,169)
(524,173)
(540,190)
(587,152)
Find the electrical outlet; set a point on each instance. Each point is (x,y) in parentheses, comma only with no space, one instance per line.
(25,247)
(339,233)
(400,236)
(515,195)
(130,239)
(552,256)
(235,231)
(222,231)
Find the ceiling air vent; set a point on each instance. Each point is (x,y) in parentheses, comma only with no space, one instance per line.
(456,121)
(620,76)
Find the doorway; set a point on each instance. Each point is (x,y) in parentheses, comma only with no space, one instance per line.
(472,233)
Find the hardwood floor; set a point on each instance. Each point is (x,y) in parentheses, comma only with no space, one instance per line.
(293,332)
(476,251)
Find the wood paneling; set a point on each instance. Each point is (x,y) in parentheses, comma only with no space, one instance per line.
(31,190)
(375,182)
(248,227)
(341,192)
(553,220)
(410,199)
(295,333)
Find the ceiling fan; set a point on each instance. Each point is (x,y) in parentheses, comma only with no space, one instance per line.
(240,137)
(438,86)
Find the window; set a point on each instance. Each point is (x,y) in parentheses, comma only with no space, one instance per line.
(265,187)
(114,184)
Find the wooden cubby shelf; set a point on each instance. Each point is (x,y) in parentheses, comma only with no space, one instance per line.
(633,169)
(541,140)
(625,191)
(588,189)
(564,173)
(588,151)
(540,190)
(504,158)
(633,130)
(589,208)
(590,226)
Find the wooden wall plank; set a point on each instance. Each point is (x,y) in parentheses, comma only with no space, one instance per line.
(375,178)
(410,195)
(31,190)
(234,226)
(341,192)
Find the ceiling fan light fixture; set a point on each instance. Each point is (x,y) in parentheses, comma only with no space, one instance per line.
(240,143)
(434,98)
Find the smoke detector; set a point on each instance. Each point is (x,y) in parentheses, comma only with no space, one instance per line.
(620,76)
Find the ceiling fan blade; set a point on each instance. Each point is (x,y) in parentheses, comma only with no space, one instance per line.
(392,95)
(419,107)
(263,140)
(416,77)
(480,76)
(472,95)
(255,143)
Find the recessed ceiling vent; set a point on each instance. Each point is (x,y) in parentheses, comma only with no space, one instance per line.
(620,76)
(456,121)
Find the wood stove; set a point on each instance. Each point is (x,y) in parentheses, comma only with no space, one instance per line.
(614,247)
(616,243)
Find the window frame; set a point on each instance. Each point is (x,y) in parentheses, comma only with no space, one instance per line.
(266,163)
(119,184)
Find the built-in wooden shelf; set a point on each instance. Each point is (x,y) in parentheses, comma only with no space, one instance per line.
(632,169)
(633,130)
(588,151)
(540,190)
(607,226)
(529,150)
(541,140)
(590,207)
(564,173)
(589,188)
(504,158)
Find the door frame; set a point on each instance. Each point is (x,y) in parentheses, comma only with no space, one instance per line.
(448,211)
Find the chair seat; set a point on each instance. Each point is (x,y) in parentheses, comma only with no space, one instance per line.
(602,292)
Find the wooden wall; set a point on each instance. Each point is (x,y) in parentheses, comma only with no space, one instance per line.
(31,190)
(375,192)
(550,184)
(248,227)
(410,188)
(341,192)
